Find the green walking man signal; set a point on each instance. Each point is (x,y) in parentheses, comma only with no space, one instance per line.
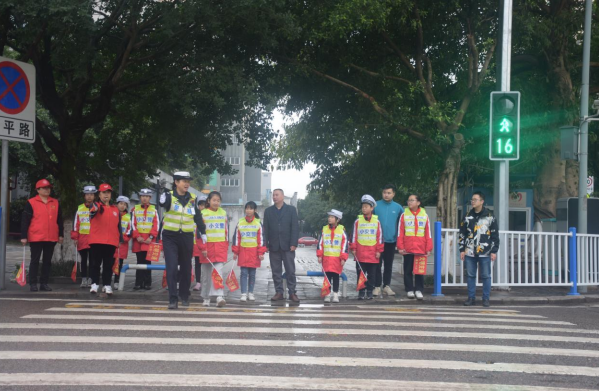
(504,126)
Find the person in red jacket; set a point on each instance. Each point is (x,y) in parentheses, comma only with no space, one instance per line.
(197,252)
(414,238)
(80,233)
(332,252)
(122,250)
(104,237)
(144,229)
(248,249)
(42,227)
(367,244)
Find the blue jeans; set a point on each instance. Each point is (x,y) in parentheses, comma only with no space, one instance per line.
(485,275)
(248,277)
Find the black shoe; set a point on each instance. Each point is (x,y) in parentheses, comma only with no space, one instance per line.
(469,302)
(173,305)
(486,303)
(185,303)
(147,287)
(136,287)
(33,288)
(369,296)
(361,295)
(45,287)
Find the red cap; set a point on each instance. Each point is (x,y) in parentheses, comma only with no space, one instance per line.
(42,183)
(105,187)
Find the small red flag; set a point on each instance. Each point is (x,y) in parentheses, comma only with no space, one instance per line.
(115,267)
(361,281)
(217,280)
(193,274)
(232,283)
(419,264)
(21,278)
(164,279)
(326,287)
(153,254)
(74,272)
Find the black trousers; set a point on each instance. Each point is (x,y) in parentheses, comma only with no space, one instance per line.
(102,257)
(143,277)
(369,270)
(334,280)
(37,248)
(84,254)
(384,277)
(409,276)
(178,248)
(198,270)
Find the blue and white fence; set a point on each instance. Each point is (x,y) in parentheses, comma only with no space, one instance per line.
(524,259)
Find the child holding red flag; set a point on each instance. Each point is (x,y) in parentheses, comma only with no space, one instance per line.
(332,252)
(215,249)
(367,244)
(122,250)
(248,249)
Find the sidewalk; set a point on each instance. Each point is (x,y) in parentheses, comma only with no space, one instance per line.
(308,288)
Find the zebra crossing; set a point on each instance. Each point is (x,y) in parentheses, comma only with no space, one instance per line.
(98,344)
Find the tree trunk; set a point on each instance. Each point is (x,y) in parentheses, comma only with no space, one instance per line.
(447,201)
(550,184)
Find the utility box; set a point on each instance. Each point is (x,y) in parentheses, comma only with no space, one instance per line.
(567,214)
(569,138)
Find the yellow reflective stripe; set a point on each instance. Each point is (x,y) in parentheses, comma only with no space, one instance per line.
(330,249)
(175,220)
(367,231)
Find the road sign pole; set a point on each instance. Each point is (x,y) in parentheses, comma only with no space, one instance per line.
(502,168)
(583,153)
(4,216)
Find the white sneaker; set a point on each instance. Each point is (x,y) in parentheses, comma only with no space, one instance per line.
(335,297)
(83,282)
(327,298)
(197,286)
(244,297)
(107,289)
(94,288)
(116,286)
(251,297)
(388,291)
(206,303)
(376,291)
(410,295)
(419,295)
(220,301)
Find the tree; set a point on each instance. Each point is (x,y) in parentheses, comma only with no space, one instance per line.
(365,73)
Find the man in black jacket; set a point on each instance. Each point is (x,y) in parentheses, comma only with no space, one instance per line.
(281,233)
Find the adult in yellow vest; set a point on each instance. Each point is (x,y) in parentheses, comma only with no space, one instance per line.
(80,233)
(177,236)
(144,229)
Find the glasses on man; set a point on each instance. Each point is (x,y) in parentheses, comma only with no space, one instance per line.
(475,200)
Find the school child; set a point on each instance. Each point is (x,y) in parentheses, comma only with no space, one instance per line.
(248,249)
(122,250)
(197,253)
(367,244)
(215,248)
(80,233)
(144,230)
(332,252)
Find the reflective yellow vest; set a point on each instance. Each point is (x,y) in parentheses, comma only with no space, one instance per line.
(125,221)
(83,217)
(367,230)
(249,232)
(411,222)
(180,217)
(332,247)
(215,224)
(144,223)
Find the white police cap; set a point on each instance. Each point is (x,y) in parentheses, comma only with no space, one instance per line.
(122,199)
(181,175)
(89,190)
(335,213)
(367,199)
(202,197)
(147,192)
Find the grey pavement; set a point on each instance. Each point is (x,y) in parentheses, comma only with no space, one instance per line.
(308,288)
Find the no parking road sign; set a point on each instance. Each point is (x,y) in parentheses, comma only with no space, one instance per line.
(17,101)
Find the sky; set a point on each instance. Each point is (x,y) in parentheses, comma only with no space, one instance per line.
(290,180)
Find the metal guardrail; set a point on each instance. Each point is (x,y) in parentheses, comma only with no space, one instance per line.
(588,259)
(310,273)
(126,267)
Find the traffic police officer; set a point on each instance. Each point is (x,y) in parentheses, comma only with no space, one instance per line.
(177,236)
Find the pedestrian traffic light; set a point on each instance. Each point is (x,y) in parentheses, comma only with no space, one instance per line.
(504,126)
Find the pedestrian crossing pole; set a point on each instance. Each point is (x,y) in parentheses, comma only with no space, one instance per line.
(4,213)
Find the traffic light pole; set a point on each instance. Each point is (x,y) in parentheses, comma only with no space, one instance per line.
(583,153)
(502,167)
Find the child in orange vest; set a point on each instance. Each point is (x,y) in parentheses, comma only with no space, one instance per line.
(332,252)
(248,248)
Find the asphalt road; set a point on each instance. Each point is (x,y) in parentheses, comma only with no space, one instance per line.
(64,344)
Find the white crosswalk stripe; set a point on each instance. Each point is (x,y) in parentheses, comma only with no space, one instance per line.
(425,348)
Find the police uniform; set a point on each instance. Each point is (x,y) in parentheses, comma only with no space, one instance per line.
(177,239)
